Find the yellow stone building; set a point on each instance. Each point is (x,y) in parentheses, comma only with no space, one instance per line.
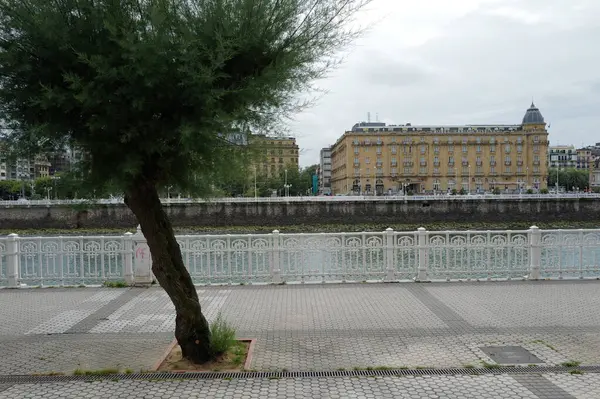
(275,154)
(375,158)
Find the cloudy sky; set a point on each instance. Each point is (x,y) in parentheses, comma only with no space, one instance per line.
(465,61)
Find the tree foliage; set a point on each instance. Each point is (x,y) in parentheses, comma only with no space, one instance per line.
(570,179)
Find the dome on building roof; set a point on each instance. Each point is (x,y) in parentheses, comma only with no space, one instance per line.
(533,116)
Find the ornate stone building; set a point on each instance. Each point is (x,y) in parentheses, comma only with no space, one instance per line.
(378,159)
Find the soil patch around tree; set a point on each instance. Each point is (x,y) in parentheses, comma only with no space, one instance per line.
(237,358)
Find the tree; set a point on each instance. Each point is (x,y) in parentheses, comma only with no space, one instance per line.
(149,89)
(569,178)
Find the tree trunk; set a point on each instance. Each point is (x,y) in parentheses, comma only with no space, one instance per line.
(191,328)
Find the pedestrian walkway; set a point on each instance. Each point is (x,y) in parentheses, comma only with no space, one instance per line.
(315,328)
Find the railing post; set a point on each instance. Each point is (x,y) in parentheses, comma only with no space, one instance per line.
(128,258)
(12,260)
(276,258)
(423,255)
(142,262)
(389,254)
(535,253)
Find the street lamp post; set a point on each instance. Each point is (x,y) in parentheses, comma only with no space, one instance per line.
(255,192)
(48,189)
(469,186)
(286,186)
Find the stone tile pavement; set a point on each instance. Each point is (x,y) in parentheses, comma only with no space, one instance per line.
(314,327)
(424,387)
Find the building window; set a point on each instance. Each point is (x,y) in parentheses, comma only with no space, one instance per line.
(519,148)
(478,148)
(507,148)
(423,170)
(356,161)
(492,169)
(393,139)
(367,171)
(507,160)
(367,160)
(451,184)
(478,140)
(536,148)
(356,150)
(378,150)
(436,149)
(450,160)
(378,140)
(405,149)
(394,171)
(464,148)
(436,171)
(450,140)
(366,149)
(492,140)
(394,149)
(436,185)
(479,169)
(492,148)
(423,149)
(536,158)
(465,184)
(507,169)
(356,171)
(536,169)
(394,162)
(407,170)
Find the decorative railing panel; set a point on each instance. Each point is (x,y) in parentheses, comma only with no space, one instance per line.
(304,258)
(570,254)
(3,258)
(71,260)
(213,259)
(478,255)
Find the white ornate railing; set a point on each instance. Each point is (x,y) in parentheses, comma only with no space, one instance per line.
(327,257)
(117,201)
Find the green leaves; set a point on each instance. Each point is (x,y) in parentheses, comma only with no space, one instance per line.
(145,86)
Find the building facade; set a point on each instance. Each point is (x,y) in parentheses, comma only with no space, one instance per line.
(562,156)
(595,173)
(378,159)
(275,154)
(324,172)
(584,158)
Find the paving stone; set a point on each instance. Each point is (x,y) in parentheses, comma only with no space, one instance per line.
(581,386)
(428,387)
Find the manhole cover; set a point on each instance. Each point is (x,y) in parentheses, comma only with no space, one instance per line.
(510,355)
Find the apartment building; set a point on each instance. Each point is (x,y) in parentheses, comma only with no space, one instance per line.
(324,172)
(275,154)
(562,156)
(378,159)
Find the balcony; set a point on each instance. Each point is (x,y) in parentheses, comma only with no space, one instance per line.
(423,163)
(520,163)
(536,162)
(492,163)
(507,163)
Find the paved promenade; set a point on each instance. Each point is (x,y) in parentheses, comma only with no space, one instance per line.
(313,328)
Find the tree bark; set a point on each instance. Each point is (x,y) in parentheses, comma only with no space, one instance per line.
(191,328)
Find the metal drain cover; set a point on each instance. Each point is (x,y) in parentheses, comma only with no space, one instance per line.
(510,355)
